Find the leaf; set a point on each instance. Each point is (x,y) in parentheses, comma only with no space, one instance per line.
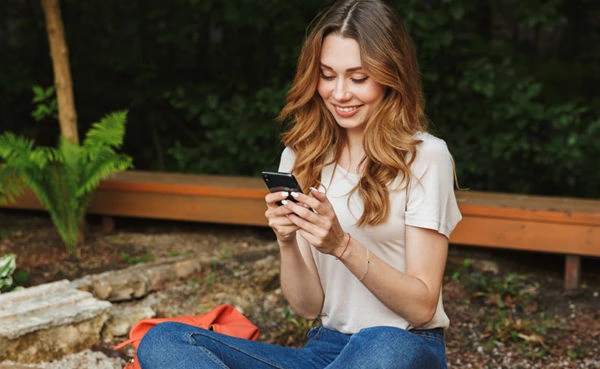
(7,267)
(532,338)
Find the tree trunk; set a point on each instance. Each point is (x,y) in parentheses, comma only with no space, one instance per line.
(67,117)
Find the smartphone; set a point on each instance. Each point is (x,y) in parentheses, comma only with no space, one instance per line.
(280,181)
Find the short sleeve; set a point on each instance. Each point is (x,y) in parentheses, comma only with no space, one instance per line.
(431,201)
(286,162)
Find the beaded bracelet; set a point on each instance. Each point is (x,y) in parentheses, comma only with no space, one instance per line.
(345,248)
(366,267)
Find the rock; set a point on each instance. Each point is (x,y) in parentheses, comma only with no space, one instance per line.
(49,321)
(139,280)
(122,320)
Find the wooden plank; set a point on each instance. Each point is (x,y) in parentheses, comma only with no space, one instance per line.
(527,207)
(179,207)
(186,184)
(27,201)
(519,234)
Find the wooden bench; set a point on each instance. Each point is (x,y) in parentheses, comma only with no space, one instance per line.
(188,197)
(566,226)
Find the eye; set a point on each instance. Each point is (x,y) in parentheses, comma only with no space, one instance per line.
(360,80)
(326,77)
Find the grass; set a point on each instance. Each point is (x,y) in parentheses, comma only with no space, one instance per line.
(511,299)
(132,260)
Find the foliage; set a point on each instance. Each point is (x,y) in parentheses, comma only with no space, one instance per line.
(505,291)
(506,129)
(293,330)
(7,268)
(231,137)
(64,178)
(45,103)
(130,259)
(503,327)
(512,85)
(509,297)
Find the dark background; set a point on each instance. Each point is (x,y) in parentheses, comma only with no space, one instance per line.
(511,85)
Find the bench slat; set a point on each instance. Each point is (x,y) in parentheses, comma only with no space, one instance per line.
(516,234)
(527,207)
(186,184)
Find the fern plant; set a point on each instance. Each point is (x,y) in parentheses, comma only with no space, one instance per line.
(7,268)
(64,178)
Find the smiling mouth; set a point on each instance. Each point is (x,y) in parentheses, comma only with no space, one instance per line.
(346,109)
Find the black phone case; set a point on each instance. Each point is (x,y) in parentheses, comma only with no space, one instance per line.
(279,181)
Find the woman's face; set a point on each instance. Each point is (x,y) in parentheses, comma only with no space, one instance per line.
(349,93)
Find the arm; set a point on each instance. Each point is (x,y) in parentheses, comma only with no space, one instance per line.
(300,281)
(412,294)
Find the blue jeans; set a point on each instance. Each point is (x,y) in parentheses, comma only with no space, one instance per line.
(176,345)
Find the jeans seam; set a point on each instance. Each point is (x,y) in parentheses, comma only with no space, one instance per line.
(425,333)
(234,348)
(213,357)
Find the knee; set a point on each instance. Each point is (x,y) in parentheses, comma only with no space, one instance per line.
(395,347)
(157,341)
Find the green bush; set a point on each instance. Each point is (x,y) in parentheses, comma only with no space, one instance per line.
(234,136)
(513,86)
(507,130)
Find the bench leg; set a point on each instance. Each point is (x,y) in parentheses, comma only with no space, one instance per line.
(108,223)
(572,271)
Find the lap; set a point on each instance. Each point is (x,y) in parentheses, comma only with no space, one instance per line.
(176,345)
(393,348)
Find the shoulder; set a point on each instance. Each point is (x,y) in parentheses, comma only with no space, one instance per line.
(432,152)
(430,145)
(286,162)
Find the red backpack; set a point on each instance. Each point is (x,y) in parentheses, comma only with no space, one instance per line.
(223,319)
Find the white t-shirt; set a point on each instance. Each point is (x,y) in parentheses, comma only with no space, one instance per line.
(429,202)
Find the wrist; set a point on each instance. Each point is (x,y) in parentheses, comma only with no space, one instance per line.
(287,240)
(344,248)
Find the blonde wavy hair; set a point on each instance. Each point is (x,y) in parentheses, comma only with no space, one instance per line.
(388,56)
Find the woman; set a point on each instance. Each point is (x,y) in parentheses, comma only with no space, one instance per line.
(365,250)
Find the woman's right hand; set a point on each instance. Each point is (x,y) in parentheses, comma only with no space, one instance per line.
(277,217)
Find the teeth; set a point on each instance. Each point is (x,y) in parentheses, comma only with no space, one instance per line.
(346,110)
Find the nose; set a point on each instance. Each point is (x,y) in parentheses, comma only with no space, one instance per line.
(340,90)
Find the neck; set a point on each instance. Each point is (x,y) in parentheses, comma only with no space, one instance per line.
(351,158)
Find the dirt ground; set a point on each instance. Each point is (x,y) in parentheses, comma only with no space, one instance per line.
(507,309)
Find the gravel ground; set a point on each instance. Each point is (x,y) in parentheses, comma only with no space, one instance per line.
(258,297)
(87,359)
(551,329)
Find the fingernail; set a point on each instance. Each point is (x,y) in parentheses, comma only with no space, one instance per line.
(283,202)
(285,194)
(314,189)
(294,194)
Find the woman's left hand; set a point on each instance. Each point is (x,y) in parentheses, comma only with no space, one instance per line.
(317,222)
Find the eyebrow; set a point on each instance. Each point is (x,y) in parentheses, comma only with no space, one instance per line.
(354,69)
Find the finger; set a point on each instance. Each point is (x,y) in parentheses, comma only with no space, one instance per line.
(281,224)
(318,194)
(278,213)
(309,223)
(274,199)
(307,201)
(301,209)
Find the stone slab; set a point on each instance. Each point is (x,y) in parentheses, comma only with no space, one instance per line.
(49,320)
